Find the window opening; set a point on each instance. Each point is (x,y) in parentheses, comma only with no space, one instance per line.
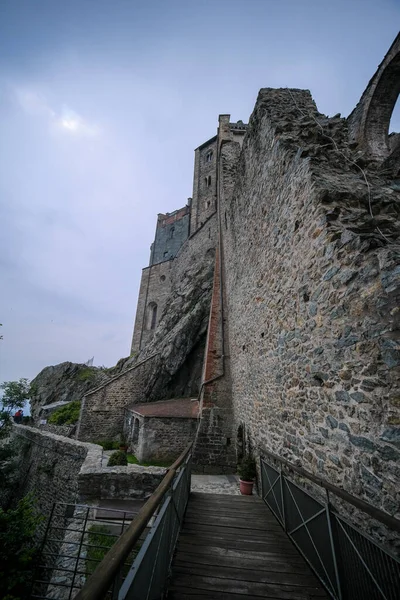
(135,434)
(152,315)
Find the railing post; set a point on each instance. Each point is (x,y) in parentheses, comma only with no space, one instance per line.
(333,547)
(283,499)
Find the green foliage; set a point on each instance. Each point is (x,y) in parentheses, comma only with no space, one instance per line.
(17,548)
(247,469)
(86,374)
(67,414)
(107,444)
(15,394)
(99,535)
(117,458)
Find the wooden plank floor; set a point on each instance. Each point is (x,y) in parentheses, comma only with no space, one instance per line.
(232,548)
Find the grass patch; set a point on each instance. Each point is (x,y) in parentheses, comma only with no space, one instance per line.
(86,374)
(99,535)
(132,460)
(107,444)
(66,415)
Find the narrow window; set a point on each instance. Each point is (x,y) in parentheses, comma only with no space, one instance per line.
(171,233)
(208,202)
(151,315)
(209,156)
(208,181)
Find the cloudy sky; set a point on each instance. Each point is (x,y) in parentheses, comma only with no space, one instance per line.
(101,105)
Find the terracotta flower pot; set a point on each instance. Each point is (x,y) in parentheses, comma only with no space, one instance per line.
(246,487)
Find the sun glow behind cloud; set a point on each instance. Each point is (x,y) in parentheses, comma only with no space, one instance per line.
(65,121)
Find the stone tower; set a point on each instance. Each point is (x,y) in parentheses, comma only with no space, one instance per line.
(174,229)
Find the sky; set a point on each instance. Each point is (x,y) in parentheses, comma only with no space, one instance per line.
(102,103)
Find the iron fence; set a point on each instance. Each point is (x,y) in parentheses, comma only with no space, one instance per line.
(76,539)
(349,563)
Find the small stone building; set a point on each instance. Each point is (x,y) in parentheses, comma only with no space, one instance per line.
(160,431)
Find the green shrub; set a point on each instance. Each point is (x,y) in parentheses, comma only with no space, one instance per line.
(247,469)
(66,415)
(117,458)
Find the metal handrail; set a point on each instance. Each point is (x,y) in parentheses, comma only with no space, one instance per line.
(372,511)
(101,579)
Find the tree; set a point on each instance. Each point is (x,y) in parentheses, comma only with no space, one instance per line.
(15,394)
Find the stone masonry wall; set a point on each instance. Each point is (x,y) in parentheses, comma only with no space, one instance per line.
(58,469)
(50,465)
(313,297)
(164,439)
(155,288)
(102,410)
(204,185)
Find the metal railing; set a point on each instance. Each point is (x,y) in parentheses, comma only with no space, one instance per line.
(147,576)
(349,563)
(75,540)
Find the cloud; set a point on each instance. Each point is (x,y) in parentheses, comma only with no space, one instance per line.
(64,121)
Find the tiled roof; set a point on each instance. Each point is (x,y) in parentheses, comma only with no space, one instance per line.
(177,407)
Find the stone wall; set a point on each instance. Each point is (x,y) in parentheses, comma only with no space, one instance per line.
(50,465)
(204,184)
(155,288)
(102,410)
(58,469)
(313,295)
(159,438)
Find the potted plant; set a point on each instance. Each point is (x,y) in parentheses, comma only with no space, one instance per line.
(247,474)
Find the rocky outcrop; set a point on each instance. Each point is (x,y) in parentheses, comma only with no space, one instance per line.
(64,383)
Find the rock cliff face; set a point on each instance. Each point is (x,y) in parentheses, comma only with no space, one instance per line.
(64,383)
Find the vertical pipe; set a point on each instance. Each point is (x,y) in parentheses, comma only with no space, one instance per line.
(79,552)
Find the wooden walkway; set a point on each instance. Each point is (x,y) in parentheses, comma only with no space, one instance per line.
(231,547)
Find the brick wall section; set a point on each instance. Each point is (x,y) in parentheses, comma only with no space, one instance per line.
(102,410)
(214,450)
(313,292)
(171,232)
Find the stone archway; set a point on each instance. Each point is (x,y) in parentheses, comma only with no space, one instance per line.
(369,121)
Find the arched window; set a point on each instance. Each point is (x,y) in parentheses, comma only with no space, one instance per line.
(171,233)
(151,315)
(208,181)
(209,156)
(135,433)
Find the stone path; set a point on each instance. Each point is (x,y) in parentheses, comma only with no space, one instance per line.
(216,484)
